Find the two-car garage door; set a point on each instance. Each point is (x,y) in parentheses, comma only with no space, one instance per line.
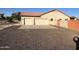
(27,21)
(34,21)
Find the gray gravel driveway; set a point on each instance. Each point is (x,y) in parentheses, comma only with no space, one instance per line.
(14,38)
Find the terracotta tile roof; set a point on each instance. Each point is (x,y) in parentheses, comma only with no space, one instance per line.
(31,13)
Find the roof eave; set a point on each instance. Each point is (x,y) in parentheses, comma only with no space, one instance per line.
(54,10)
(28,16)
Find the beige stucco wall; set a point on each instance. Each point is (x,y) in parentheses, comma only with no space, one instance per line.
(55,15)
(63,24)
(41,21)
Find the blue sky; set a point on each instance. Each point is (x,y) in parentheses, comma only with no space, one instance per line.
(69,11)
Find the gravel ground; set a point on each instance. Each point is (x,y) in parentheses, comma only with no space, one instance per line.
(13,38)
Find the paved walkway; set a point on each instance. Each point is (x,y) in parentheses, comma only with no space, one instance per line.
(6,26)
(36,27)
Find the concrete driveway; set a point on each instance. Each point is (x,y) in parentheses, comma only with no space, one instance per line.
(14,38)
(36,27)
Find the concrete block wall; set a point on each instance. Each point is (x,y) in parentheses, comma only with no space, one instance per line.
(73,24)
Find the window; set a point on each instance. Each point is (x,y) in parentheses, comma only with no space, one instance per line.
(60,19)
(51,19)
(66,19)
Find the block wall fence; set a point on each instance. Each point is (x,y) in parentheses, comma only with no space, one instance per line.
(73,24)
(70,24)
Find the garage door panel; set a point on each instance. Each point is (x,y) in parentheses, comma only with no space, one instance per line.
(34,21)
(29,21)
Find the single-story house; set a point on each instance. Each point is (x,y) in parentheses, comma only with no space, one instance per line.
(49,18)
(53,17)
(73,18)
